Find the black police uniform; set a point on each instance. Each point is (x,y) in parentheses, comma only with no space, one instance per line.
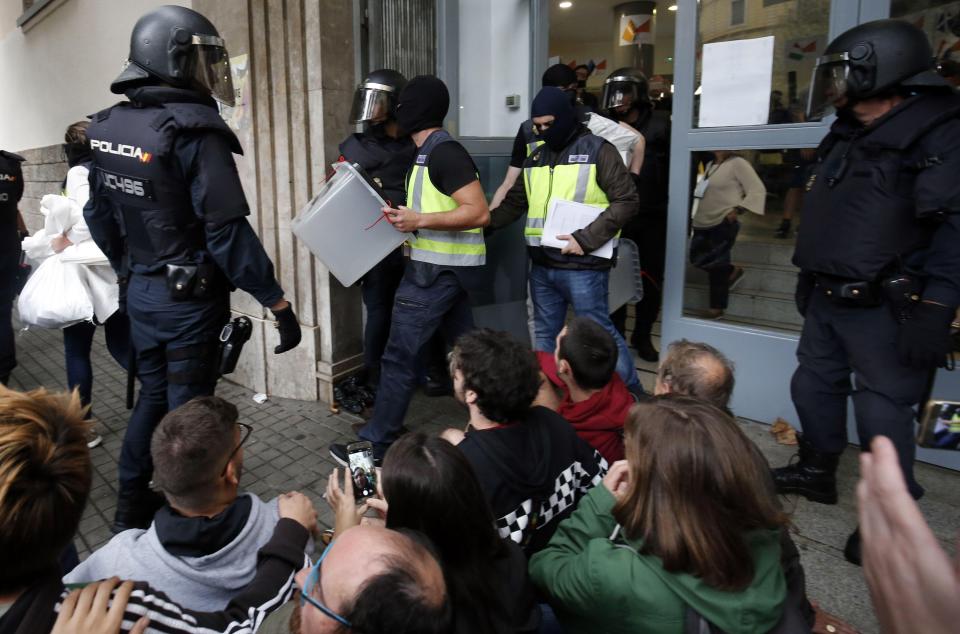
(882,200)
(11,191)
(387,160)
(165,197)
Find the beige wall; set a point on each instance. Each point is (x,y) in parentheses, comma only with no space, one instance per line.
(299,91)
(60,69)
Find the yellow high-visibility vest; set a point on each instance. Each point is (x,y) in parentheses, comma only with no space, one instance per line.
(574,177)
(448,248)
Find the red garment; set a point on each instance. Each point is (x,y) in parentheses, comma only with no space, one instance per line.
(599,419)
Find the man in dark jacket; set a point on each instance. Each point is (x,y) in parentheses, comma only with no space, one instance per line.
(574,165)
(11,227)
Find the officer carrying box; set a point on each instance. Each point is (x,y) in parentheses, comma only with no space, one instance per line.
(880,268)
(167,208)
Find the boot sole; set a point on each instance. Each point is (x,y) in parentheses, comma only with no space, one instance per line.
(814,496)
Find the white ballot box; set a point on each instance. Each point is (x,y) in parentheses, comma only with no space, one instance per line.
(564,217)
(344,226)
(626,279)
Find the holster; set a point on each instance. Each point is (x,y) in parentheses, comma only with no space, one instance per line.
(192,281)
(847,292)
(902,292)
(232,339)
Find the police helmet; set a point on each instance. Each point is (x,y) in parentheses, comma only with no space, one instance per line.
(376,97)
(178,46)
(869,60)
(625,87)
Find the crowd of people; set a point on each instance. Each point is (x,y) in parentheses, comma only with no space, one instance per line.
(571,500)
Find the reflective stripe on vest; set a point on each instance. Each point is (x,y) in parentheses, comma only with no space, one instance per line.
(448,248)
(529,137)
(573,178)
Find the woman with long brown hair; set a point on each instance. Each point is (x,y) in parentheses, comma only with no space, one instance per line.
(689,519)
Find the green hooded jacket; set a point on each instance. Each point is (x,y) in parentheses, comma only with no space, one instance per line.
(598,585)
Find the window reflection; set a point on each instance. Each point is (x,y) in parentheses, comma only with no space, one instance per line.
(744,216)
(800,30)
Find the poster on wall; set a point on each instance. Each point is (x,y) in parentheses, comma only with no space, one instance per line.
(736,81)
(636,29)
(804,50)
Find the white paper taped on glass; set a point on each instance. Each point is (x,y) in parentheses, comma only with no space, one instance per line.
(344,225)
(564,217)
(736,81)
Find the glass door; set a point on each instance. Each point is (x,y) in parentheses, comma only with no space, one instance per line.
(726,50)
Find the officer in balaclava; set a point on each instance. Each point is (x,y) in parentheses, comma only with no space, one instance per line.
(385,153)
(626,99)
(443,215)
(526,141)
(879,279)
(167,208)
(571,164)
(11,225)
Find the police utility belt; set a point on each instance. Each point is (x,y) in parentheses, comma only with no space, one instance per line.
(201,281)
(899,291)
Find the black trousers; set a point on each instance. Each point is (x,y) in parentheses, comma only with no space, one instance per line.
(838,341)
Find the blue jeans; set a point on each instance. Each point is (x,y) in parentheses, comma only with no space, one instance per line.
(553,290)
(77,341)
(418,313)
(8,291)
(187,331)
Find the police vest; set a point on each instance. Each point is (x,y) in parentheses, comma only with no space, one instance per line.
(11,190)
(448,248)
(133,154)
(384,159)
(530,139)
(860,216)
(573,177)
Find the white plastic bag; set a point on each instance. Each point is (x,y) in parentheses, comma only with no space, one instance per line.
(55,296)
(100,284)
(621,138)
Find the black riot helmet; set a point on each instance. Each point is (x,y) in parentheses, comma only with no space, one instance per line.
(869,60)
(178,46)
(376,97)
(625,88)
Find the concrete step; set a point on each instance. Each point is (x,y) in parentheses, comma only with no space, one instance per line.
(765,308)
(769,252)
(756,277)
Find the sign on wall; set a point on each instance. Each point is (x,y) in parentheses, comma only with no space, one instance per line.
(636,29)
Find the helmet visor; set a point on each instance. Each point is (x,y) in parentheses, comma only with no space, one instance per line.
(828,86)
(619,95)
(371,104)
(209,67)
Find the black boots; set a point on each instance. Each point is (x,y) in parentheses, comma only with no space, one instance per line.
(136,506)
(812,476)
(644,347)
(783,231)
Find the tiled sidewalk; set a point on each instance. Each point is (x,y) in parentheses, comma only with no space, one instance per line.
(289,452)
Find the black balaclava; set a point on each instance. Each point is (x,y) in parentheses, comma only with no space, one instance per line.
(423,104)
(559,75)
(553,101)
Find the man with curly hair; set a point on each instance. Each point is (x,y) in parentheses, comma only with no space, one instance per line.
(529,460)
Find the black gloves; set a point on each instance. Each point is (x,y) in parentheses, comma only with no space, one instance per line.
(924,339)
(806,282)
(289,329)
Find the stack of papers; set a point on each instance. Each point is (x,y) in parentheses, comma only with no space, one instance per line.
(564,217)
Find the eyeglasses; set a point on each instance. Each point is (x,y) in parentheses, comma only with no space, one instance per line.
(247,430)
(306,591)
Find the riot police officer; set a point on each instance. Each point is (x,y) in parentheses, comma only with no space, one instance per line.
(11,224)
(385,154)
(167,208)
(626,98)
(880,267)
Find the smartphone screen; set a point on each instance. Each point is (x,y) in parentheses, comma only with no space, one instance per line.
(360,456)
(941,426)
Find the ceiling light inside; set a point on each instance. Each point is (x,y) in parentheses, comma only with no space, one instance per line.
(672,7)
(565,5)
